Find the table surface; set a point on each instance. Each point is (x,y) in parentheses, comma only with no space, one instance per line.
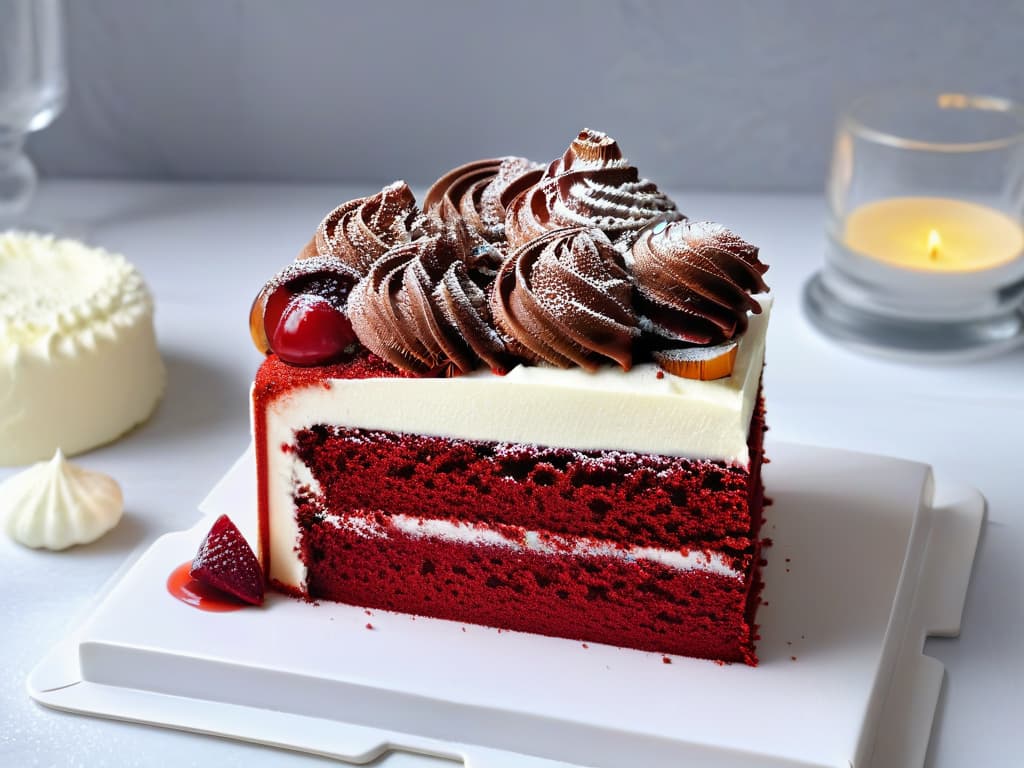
(205,250)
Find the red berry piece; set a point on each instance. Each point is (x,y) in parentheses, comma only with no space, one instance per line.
(277,302)
(225,561)
(311,331)
(321,277)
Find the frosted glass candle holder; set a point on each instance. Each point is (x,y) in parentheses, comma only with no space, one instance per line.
(925,251)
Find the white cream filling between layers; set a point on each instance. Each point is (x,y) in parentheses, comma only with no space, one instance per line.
(608,410)
(366,525)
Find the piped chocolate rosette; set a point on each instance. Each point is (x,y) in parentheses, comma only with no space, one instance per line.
(584,264)
(592,185)
(564,299)
(419,310)
(694,282)
(360,231)
(479,193)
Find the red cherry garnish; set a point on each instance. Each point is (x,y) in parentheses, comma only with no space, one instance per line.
(311,331)
(225,562)
(277,302)
(324,277)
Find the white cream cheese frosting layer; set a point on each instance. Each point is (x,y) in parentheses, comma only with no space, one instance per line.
(609,410)
(79,364)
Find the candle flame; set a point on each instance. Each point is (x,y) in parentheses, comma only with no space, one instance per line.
(934,242)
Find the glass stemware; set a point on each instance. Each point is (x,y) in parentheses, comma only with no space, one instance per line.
(33,86)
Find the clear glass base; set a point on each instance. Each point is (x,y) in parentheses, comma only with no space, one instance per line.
(928,340)
(18,177)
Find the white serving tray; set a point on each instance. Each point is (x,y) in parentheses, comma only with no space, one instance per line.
(865,564)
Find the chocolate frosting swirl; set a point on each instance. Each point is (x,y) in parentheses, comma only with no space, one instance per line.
(693,282)
(418,308)
(564,298)
(362,230)
(591,185)
(476,191)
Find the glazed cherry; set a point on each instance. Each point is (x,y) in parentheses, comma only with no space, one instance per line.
(311,331)
(319,277)
(274,307)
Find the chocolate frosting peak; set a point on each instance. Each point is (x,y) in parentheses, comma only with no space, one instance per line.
(693,282)
(475,191)
(592,185)
(564,298)
(360,231)
(418,308)
(590,149)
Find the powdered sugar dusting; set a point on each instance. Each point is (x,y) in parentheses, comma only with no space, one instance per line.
(591,185)
(695,281)
(566,296)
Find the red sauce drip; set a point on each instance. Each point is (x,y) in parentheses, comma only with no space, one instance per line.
(198,595)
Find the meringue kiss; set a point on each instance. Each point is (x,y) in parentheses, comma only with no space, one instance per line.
(56,504)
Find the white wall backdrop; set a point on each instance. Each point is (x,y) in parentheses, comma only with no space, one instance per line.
(722,95)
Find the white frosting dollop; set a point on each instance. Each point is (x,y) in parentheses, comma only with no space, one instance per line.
(56,504)
(79,364)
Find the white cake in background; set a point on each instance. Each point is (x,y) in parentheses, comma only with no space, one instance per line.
(79,364)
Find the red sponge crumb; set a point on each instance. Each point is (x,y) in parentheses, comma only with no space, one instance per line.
(227,563)
(618,496)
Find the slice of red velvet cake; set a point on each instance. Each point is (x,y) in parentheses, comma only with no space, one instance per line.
(493,411)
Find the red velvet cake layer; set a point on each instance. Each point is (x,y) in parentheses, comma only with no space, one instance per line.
(642,499)
(638,604)
(615,498)
(626,499)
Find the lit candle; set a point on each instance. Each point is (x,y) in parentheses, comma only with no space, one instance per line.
(934,234)
(934,241)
